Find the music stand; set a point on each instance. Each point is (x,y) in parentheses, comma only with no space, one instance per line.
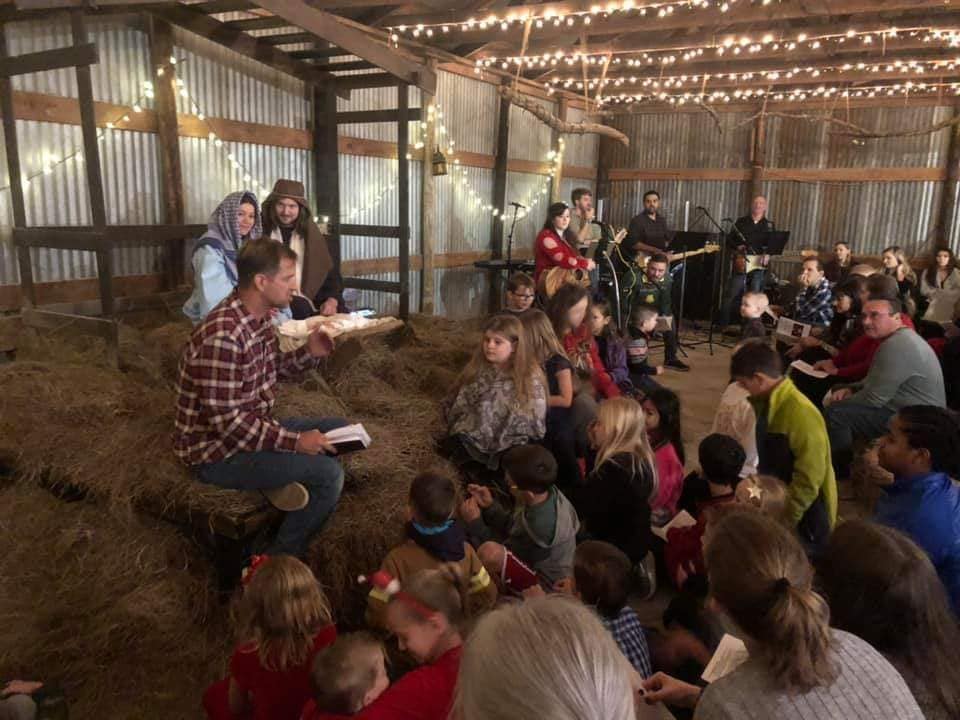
(769,243)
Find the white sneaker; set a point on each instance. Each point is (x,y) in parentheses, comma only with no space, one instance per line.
(288,497)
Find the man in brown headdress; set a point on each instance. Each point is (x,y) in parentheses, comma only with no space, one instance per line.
(287,219)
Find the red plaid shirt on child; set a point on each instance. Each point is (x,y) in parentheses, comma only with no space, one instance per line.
(225,388)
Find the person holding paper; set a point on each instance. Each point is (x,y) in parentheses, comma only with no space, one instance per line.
(796,666)
(905,371)
(791,441)
(814,304)
(225,395)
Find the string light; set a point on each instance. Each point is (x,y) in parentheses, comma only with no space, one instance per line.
(518,17)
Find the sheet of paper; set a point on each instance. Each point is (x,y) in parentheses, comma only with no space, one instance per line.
(790,331)
(681,520)
(664,323)
(731,653)
(807,369)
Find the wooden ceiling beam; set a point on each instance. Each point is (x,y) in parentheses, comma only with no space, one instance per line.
(620,23)
(344,34)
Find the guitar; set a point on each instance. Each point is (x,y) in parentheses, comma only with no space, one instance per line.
(677,257)
(553,279)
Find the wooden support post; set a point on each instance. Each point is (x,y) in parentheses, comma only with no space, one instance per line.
(91,151)
(758,142)
(403,196)
(161,48)
(948,201)
(326,167)
(13,169)
(500,200)
(555,140)
(428,200)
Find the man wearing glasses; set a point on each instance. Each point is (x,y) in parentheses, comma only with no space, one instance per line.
(905,371)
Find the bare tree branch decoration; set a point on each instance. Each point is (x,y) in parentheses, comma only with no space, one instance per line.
(562,126)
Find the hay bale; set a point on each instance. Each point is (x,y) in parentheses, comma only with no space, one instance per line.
(121,612)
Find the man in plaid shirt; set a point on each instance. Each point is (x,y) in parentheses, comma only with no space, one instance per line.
(814,304)
(225,394)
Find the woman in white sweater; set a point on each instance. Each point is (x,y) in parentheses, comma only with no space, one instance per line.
(799,668)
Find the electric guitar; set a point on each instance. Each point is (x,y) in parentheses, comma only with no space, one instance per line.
(677,257)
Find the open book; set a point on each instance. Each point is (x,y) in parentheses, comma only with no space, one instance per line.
(349,438)
(681,520)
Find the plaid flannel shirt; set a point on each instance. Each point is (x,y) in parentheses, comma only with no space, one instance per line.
(814,305)
(631,638)
(225,387)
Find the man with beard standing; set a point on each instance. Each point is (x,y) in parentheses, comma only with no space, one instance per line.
(648,233)
(582,231)
(286,219)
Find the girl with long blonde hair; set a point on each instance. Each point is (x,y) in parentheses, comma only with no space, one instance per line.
(499,400)
(896,264)
(283,621)
(614,505)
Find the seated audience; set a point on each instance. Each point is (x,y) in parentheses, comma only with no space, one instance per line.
(942,274)
(814,304)
(520,293)
(602,580)
(214,259)
(610,345)
(541,532)
(643,321)
(922,450)
(426,615)
(896,265)
(546,658)
(499,400)
(905,371)
(225,394)
(661,408)
(799,668)
(791,441)
(561,435)
(752,308)
(882,587)
(434,537)
(766,493)
(284,621)
(721,461)
(614,504)
(838,268)
(287,219)
(568,310)
(347,677)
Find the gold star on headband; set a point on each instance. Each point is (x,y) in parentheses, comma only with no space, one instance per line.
(756,493)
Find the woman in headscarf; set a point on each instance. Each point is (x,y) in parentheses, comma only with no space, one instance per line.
(236,220)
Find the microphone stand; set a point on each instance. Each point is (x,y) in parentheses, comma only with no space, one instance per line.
(513,224)
(608,231)
(719,269)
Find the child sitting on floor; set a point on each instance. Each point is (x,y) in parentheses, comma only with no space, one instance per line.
(615,502)
(499,400)
(284,621)
(347,677)
(610,344)
(567,311)
(434,536)
(721,460)
(425,614)
(735,417)
(541,531)
(661,408)
(560,437)
(752,308)
(643,321)
(520,294)
(601,578)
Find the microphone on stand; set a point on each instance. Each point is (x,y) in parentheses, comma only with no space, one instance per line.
(518,205)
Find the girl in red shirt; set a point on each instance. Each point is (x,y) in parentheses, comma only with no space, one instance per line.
(552,250)
(284,620)
(567,311)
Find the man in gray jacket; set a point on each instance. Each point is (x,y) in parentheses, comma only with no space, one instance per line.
(905,371)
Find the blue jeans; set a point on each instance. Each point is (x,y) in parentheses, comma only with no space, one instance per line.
(848,421)
(321,475)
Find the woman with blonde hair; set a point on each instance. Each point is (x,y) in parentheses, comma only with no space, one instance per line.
(545,658)
(499,400)
(614,505)
(896,264)
(283,621)
(799,668)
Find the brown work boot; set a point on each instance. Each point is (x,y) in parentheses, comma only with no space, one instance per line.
(287,497)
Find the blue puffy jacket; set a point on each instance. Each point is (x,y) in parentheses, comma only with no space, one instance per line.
(927,508)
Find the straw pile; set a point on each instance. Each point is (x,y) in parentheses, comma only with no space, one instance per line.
(65,415)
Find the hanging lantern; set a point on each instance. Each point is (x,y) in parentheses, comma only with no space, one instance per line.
(439,163)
